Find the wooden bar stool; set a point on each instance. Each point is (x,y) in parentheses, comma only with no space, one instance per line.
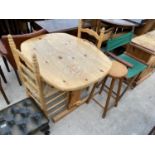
(118,72)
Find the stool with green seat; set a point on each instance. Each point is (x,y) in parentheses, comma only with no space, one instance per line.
(134,66)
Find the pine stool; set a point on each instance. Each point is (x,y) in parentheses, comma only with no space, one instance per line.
(118,72)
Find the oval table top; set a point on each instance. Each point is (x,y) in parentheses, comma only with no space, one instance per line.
(66,62)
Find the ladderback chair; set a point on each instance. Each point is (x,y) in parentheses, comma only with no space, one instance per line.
(100,38)
(18,39)
(48,98)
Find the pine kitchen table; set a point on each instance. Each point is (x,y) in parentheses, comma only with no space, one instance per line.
(68,63)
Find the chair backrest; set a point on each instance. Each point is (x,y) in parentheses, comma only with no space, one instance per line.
(18,39)
(118,41)
(29,74)
(100,38)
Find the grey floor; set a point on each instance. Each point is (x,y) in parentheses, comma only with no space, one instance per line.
(134,115)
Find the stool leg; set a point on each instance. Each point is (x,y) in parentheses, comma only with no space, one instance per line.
(91,93)
(118,91)
(128,86)
(4,95)
(108,98)
(103,84)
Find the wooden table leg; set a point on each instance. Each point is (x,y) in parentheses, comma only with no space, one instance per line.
(74,97)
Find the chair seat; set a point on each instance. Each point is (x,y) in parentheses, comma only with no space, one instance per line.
(137,66)
(118,70)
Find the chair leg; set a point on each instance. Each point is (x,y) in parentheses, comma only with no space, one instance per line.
(6,63)
(118,91)
(91,93)
(4,95)
(103,84)
(108,97)
(128,86)
(2,74)
(19,81)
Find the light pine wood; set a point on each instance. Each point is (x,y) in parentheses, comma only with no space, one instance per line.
(142,48)
(147,41)
(48,98)
(74,97)
(118,70)
(100,38)
(66,62)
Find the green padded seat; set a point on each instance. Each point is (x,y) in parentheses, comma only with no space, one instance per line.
(137,66)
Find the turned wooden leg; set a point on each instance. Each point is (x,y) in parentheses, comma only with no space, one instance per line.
(103,84)
(118,91)
(108,97)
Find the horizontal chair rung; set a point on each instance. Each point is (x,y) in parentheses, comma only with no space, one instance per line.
(54,98)
(51,93)
(29,82)
(53,106)
(56,110)
(27,71)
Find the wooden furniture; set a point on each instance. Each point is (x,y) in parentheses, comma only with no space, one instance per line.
(58,25)
(3,93)
(6,52)
(23,118)
(143,49)
(48,98)
(2,75)
(119,22)
(67,63)
(117,72)
(135,67)
(100,38)
(148,25)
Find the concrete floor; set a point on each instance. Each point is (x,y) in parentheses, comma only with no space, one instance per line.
(135,114)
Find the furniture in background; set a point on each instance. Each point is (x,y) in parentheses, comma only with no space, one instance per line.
(2,75)
(69,64)
(135,67)
(6,51)
(99,38)
(120,24)
(117,72)
(142,48)
(41,92)
(148,25)
(3,93)
(23,118)
(14,26)
(2,53)
(59,25)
